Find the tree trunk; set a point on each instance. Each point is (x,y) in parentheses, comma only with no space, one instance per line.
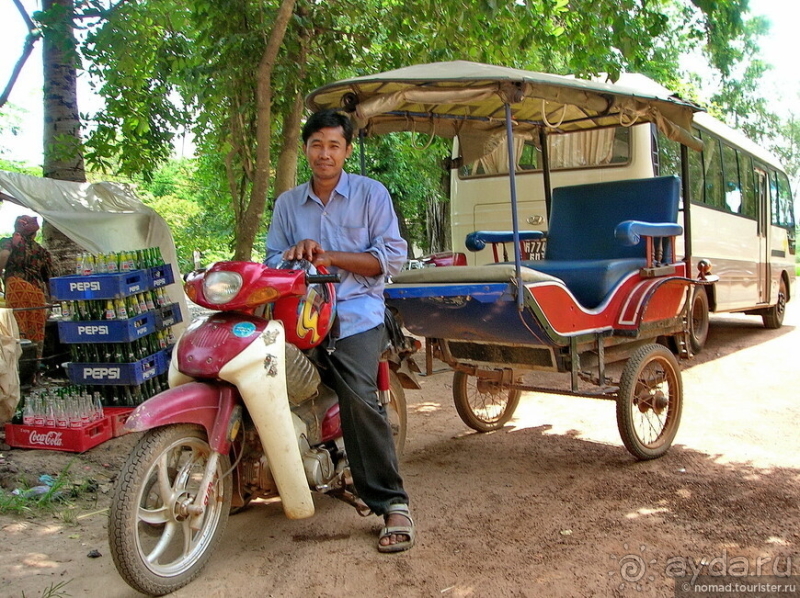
(286,174)
(251,218)
(438,222)
(286,171)
(63,150)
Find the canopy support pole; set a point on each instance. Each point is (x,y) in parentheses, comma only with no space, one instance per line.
(512,181)
(548,186)
(362,159)
(687,216)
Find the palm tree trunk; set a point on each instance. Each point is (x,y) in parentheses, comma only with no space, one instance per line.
(63,149)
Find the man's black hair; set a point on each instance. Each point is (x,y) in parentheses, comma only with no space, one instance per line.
(328,118)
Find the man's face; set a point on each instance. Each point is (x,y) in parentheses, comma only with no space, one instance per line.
(326,151)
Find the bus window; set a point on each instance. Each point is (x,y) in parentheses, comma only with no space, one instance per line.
(784,216)
(530,158)
(712,170)
(584,149)
(696,178)
(733,187)
(669,156)
(749,208)
(773,196)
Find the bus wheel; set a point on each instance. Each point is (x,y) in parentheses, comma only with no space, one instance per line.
(698,322)
(649,402)
(773,317)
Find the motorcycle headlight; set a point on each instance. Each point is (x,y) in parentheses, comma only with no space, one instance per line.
(221,287)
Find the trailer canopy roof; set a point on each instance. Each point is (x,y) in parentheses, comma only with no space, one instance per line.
(467,100)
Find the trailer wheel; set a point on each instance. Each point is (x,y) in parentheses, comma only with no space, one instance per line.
(483,405)
(649,402)
(698,320)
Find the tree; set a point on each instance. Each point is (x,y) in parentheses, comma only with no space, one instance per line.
(63,153)
(214,67)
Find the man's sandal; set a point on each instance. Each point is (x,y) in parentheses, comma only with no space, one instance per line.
(398,530)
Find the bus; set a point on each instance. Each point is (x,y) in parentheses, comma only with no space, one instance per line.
(742,214)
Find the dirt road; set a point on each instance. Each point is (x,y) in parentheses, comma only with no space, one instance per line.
(552,505)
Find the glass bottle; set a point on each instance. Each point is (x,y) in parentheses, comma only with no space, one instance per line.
(122,311)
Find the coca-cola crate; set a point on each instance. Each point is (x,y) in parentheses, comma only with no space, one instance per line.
(73,440)
(117,374)
(107,331)
(168,315)
(99,286)
(118,416)
(161,276)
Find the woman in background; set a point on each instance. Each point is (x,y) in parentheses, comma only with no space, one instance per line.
(26,268)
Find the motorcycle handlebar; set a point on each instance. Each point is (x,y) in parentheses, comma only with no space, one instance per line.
(321,278)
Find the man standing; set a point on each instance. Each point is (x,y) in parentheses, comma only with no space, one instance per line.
(347,223)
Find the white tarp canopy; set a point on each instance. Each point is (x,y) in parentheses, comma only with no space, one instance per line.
(467,99)
(100,217)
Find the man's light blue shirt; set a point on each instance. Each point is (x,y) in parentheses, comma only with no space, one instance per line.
(359,218)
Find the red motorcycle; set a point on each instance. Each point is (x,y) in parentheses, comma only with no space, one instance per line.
(246,416)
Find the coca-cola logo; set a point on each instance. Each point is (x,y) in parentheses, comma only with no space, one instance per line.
(51,438)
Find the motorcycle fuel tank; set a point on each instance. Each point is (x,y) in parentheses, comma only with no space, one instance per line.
(212,342)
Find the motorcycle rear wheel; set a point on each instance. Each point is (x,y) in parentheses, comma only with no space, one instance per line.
(153,547)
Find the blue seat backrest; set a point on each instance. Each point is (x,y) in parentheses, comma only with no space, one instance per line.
(583,217)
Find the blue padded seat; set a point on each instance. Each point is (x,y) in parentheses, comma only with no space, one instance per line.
(581,246)
(589,280)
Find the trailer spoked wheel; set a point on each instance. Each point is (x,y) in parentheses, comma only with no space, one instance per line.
(649,402)
(484,405)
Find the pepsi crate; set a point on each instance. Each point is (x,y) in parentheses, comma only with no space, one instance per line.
(74,440)
(99,286)
(161,276)
(107,331)
(118,374)
(164,357)
(167,316)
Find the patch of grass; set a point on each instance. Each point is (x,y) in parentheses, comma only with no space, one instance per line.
(13,504)
(57,495)
(54,590)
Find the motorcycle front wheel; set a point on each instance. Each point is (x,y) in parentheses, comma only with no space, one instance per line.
(153,546)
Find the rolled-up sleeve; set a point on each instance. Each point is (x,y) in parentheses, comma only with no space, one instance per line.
(386,243)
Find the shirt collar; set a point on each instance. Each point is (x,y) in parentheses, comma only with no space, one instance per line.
(342,188)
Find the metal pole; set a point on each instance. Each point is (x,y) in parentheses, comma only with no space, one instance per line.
(687,217)
(548,187)
(362,158)
(512,181)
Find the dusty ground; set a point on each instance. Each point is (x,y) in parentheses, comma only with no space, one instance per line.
(552,505)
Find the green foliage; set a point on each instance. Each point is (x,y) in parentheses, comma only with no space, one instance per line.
(164,66)
(412,170)
(186,197)
(14,166)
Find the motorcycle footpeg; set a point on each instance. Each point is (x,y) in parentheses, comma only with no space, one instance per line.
(352,499)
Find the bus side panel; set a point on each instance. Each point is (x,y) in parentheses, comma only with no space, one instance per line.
(731,243)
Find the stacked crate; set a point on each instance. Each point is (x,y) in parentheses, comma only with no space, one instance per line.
(119,331)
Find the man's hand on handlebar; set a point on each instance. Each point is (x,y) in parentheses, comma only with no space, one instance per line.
(307,249)
(362,263)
